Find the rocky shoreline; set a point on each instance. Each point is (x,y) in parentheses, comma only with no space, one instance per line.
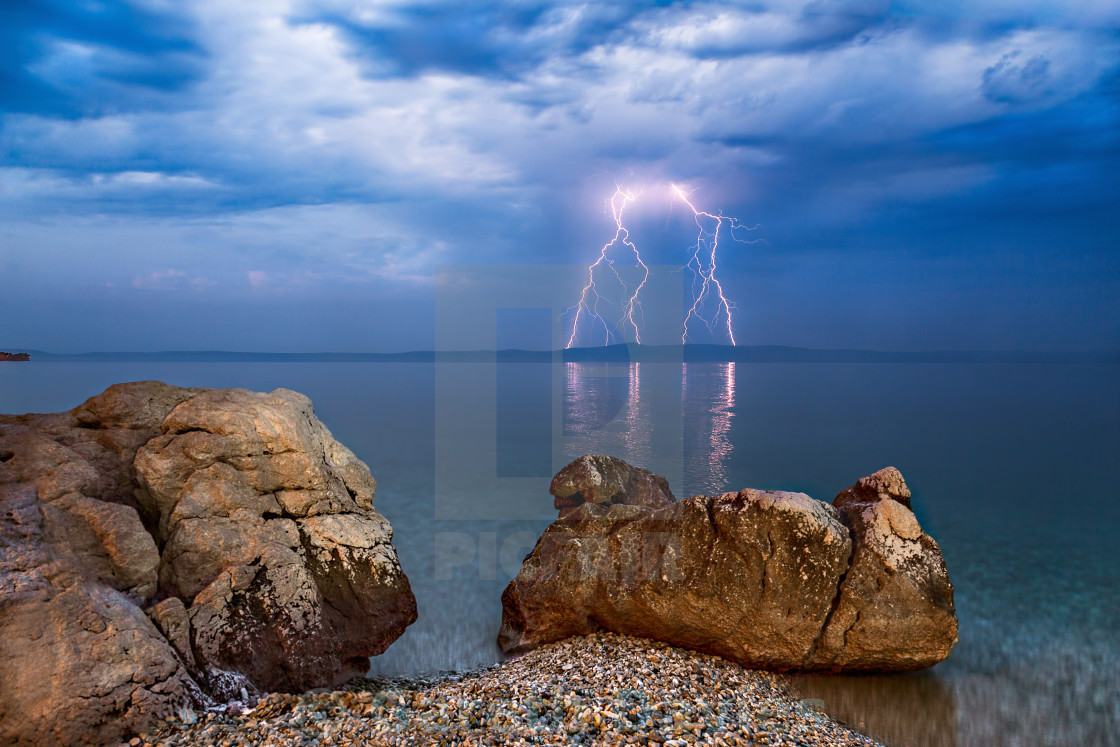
(169,552)
(600,689)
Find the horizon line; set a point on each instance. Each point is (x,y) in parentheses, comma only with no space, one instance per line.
(618,352)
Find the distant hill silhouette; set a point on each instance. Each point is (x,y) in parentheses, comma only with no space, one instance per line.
(623,353)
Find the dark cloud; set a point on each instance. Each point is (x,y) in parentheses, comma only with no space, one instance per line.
(727,30)
(353,146)
(69,59)
(1013,79)
(488,38)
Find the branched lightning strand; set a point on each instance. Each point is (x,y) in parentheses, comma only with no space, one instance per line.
(703,264)
(589,298)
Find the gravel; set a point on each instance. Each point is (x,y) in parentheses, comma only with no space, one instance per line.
(601,689)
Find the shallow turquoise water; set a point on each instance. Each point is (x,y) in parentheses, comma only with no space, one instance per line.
(1013,469)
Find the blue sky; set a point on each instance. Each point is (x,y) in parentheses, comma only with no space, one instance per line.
(288,175)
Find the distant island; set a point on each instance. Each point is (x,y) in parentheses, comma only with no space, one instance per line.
(14,357)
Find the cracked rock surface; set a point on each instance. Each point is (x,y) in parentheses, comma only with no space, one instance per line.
(763,578)
(163,548)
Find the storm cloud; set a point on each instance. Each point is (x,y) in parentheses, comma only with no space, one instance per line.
(212,174)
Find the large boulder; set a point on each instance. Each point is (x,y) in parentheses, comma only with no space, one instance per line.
(80,662)
(765,578)
(163,548)
(268,527)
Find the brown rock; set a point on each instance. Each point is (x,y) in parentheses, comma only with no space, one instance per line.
(604,480)
(270,533)
(79,662)
(885,485)
(84,666)
(170,616)
(749,576)
(275,570)
(895,609)
(110,536)
(753,576)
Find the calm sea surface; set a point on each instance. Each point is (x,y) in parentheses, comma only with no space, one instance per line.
(1015,470)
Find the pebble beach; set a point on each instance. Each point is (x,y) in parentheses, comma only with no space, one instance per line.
(602,689)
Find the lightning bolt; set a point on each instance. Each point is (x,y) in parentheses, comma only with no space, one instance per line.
(703,265)
(590,297)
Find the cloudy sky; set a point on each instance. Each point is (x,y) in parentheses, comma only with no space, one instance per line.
(289,174)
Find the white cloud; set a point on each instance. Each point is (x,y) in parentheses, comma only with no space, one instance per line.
(289,109)
(289,115)
(20,187)
(774,26)
(149,179)
(160,280)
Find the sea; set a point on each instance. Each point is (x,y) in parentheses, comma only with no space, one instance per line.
(1014,468)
